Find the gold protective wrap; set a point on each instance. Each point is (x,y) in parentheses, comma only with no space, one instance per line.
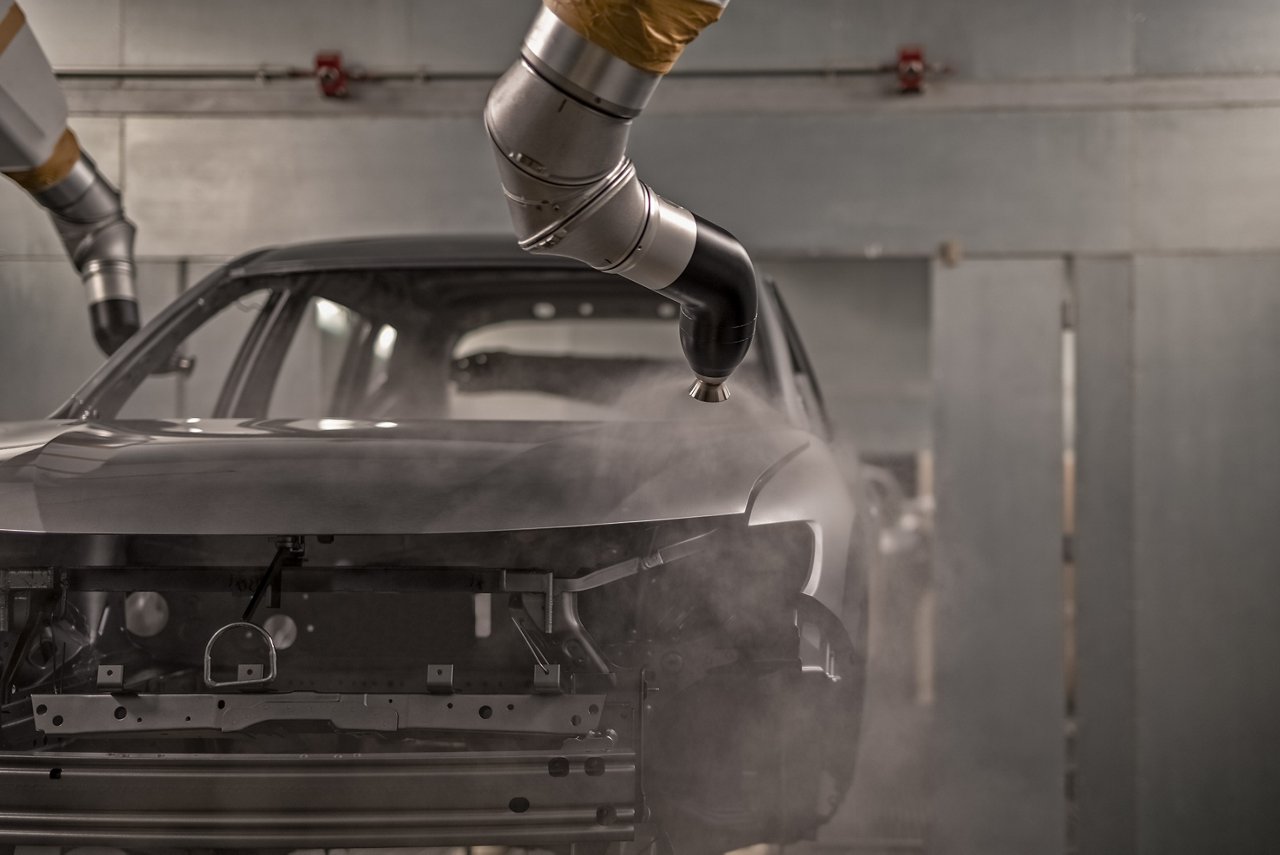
(649,34)
(10,25)
(65,154)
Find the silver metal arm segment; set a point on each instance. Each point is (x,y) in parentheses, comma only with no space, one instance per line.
(42,156)
(560,119)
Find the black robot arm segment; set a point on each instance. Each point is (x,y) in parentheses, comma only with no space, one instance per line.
(717,293)
(559,120)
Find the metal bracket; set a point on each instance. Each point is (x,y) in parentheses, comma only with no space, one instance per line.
(595,742)
(544,584)
(111,678)
(440,679)
(242,670)
(546,681)
(248,673)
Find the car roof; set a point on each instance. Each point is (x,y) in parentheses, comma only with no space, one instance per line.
(395,253)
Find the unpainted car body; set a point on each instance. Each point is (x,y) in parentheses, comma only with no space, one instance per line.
(397,620)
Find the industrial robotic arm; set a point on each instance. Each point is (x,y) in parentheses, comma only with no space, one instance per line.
(42,155)
(560,118)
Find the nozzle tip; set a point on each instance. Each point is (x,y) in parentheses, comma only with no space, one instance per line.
(708,392)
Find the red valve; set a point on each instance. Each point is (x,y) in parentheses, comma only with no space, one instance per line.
(911,69)
(332,75)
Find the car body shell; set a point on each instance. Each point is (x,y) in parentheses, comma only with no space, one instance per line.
(96,484)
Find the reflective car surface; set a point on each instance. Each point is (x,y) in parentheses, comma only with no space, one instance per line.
(433,551)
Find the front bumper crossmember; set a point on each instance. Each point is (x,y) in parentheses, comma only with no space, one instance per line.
(174,715)
(527,798)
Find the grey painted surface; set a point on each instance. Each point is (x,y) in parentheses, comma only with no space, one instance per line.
(865,325)
(1194,36)
(999,734)
(27,230)
(821,185)
(1207,490)
(1207,179)
(1105,606)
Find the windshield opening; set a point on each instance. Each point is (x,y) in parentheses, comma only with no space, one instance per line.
(390,345)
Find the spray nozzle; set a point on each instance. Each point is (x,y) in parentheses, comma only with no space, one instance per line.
(709,391)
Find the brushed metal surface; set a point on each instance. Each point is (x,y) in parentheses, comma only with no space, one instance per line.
(586,70)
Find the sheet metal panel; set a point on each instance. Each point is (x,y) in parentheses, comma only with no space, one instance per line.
(999,737)
(1207,493)
(1206,179)
(1105,605)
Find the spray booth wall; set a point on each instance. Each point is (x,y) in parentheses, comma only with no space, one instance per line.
(1117,152)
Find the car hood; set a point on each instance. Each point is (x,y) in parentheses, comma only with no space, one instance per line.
(346,477)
